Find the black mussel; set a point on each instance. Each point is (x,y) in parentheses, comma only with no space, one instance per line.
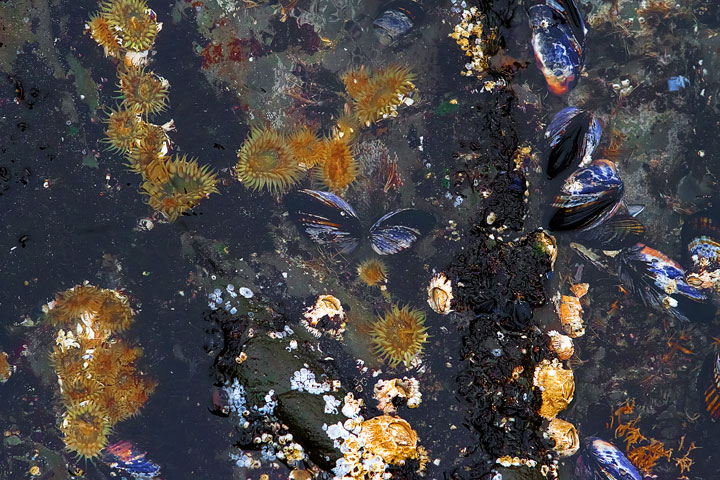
(326,218)
(558,39)
(588,197)
(660,283)
(701,237)
(396,18)
(399,230)
(573,136)
(329,220)
(620,231)
(601,460)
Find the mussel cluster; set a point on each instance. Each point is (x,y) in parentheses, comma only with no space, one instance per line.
(590,204)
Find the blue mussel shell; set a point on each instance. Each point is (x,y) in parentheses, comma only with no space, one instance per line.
(601,460)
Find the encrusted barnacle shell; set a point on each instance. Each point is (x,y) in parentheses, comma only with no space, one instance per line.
(557,385)
(565,436)
(391,438)
(440,293)
(386,391)
(580,289)
(549,245)
(561,344)
(326,305)
(570,312)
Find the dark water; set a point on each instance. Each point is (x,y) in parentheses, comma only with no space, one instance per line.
(71,211)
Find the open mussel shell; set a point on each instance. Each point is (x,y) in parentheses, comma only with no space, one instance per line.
(325,218)
(588,196)
(620,231)
(660,283)
(573,135)
(601,460)
(701,236)
(399,230)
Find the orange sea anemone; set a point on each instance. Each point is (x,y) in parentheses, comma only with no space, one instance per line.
(179,186)
(266,161)
(387,89)
(101,32)
(67,363)
(73,302)
(306,148)
(5,368)
(125,398)
(80,389)
(149,154)
(372,272)
(133,21)
(346,127)
(85,430)
(338,168)
(142,90)
(124,128)
(115,314)
(399,335)
(357,82)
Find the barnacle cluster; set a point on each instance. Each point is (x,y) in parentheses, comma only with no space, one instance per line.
(389,393)
(274,161)
(99,383)
(127,29)
(370,446)
(325,316)
(399,336)
(475,41)
(377,94)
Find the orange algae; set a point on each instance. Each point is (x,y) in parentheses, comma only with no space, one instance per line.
(338,168)
(399,336)
(178,186)
(265,161)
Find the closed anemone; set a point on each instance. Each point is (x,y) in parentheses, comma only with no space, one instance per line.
(133,21)
(124,128)
(399,336)
(372,272)
(148,156)
(305,147)
(100,31)
(338,168)
(265,161)
(142,91)
(85,430)
(180,185)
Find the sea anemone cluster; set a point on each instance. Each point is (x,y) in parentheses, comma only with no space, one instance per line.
(6,369)
(99,383)
(399,335)
(274,161)
(124,25)
(127,29)
(377,94)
